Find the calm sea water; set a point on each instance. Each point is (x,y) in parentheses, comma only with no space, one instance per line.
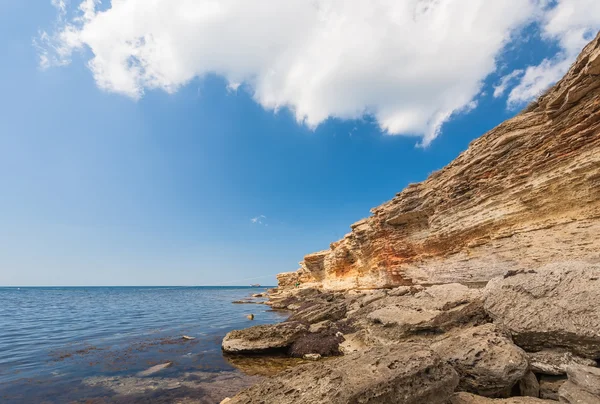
(50,336)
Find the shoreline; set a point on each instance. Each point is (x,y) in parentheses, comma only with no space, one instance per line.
(467,337)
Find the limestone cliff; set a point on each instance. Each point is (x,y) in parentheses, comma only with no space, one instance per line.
(524,194)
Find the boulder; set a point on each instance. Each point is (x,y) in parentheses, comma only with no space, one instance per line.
(556,306)
(262,338)
(529,385)
(549,386)
(487,361)
(405,374)
(430,311)
(555,361)
(570,393)
(468,398)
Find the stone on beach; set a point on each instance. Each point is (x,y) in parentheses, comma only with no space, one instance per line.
(557,306)
(488,362)
(263,337)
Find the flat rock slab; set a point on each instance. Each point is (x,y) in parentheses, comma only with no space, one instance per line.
(263,337)
(487,361)
(586,377)
(405,374)
(556,306)
(432,310)
(467,398)
(555,362)
(570,393)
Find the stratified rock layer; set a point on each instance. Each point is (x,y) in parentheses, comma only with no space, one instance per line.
(524,194)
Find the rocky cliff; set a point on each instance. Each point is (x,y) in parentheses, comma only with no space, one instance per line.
(524,194)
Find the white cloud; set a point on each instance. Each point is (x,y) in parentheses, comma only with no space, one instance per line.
(572,23)
(411,64)
(260,219)
(505,82)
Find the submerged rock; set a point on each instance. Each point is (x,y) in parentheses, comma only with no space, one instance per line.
(155,369)
(488,362)
(263,337)
(557,306)
(405,374)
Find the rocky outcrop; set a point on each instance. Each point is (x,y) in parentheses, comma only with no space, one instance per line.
(557,306)
(262,338)
(522,195)
(404,375)
(488,363)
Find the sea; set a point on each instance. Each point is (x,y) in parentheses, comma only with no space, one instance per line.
(97,344)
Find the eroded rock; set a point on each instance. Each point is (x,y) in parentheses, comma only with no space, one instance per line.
(263,337)
(555,361)
(549,386)
(488,362)
(557,306)
(570,393)
(405,374)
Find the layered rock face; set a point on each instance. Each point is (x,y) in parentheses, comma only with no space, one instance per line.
(524,194)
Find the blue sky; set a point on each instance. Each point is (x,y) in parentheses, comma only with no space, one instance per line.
(102,187)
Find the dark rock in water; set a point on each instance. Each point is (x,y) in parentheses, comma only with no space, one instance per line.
(263,337)
(403,374)
(557,306)
(488,362)
(468,398)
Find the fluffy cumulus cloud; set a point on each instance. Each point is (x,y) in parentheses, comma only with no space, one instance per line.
(572,24)
(411,64)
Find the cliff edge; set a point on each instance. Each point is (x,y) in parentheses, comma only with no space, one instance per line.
(522,195)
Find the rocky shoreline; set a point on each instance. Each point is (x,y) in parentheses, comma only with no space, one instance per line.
(526,337)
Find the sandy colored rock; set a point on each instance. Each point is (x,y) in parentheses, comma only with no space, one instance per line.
(467,398)
(155,369)
(263,337)
(549,386)
(522,195)
(320,312)
(529,385)
(404,375)
(432,310)
(586,377)
(487,361)
(555,361)
(570,393)
(557,306)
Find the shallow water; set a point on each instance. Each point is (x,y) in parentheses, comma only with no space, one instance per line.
(65,344)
